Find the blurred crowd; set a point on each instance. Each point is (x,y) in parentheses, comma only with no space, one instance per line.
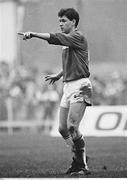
(25,95)
(110,89)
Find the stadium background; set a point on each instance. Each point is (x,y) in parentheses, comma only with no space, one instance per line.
(29,106)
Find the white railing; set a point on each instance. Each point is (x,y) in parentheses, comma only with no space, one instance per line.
(10,124)
(31,124)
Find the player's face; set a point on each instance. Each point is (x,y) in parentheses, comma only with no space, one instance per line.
(66,25)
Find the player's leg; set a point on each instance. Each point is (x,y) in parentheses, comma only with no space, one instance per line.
(79,97)
(75,115)
(63,116)
(63,126)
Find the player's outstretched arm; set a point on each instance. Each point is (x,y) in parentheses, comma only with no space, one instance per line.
(29,35)
(54,77)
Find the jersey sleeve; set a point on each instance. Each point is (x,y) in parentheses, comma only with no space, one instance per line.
(74,40)
(54,40)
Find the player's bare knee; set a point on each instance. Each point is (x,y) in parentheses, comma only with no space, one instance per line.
(73,131)
(62,131)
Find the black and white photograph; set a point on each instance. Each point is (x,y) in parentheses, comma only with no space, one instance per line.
(63,89)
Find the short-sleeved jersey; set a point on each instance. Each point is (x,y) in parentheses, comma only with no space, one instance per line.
(74,56)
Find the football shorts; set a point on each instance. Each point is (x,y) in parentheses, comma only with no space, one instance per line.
(77,91)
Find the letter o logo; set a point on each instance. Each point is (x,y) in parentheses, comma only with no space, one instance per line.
(100,124)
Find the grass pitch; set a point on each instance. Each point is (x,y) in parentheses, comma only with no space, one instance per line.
(38,156)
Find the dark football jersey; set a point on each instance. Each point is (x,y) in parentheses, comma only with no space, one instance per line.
(74,56)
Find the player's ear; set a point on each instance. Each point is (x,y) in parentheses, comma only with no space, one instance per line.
(74,22)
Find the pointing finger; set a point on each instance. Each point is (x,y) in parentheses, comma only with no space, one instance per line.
(20,33)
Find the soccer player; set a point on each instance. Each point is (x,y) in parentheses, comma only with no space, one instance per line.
(77,86)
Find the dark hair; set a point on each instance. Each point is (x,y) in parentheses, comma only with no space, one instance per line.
(70,13)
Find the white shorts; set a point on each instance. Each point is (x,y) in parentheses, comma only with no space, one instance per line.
(77,91)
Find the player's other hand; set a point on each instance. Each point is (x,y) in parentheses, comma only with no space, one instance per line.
(52,78)
(26,35)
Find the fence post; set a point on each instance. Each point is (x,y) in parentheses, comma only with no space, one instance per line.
(9,103)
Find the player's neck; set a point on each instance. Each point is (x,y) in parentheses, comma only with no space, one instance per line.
(73,29)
